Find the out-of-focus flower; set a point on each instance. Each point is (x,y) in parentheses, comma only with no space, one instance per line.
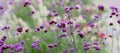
(19,29)
(101,7)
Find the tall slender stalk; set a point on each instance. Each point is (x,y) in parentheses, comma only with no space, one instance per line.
(117,38)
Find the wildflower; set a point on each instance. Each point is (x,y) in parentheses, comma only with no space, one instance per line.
(101,7)
(70,22)
(1,43)
(113,13)
(118,21)
(62,35)
(49,15)
(69,44)
(19,29)
(91,24)
(27,30)
(72,49)
(1,7)
(4,38)
(55,44)
(76,7)
(22,42)
(4,47)
(56,14)
(117,15)
(64,30)
(81,34)
(32,12)
(45,31)
(86,46)
(71,8)
(37,29)
(67,10)
(19,48)
(41,27)
(11,51)
(96,47)
(26,3)
(35,45)
(111,16)
(5,28)
(95,42)
(77,26)
(65,51)
(50,45)
(84,16)
(111,24)
(52,22)
(61,25)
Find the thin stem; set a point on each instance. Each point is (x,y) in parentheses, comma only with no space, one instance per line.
(69,16)
(112,43)
(117,39)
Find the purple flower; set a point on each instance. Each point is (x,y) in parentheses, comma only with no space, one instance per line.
(81,34)
(17,45)
(77,26)
(96,43)
(84,16)
(45,31)
(4,47)
(4,38)
(111,24)
(91,24)
(62,35)
(52,22)
(50,45)
(101,7)
(71,8)
(1,43)
(26,3)
(86,44)
(20,48)
(1,7)
(22,42)
(69,44)
(11,51)
(37,29)
(64,29)
(70,22)
(55,44)
(72,49)
(113,13)
(27,30)
(11,47)
(76,7)
(34,45)
(86,48)
(41,27)
(5,28)
(19,29)
(118,21)
(56,14)
(96,47)
(67,10)
(32,12)
(61,25)
(65,51)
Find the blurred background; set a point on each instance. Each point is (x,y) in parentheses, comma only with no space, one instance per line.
(13,14)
